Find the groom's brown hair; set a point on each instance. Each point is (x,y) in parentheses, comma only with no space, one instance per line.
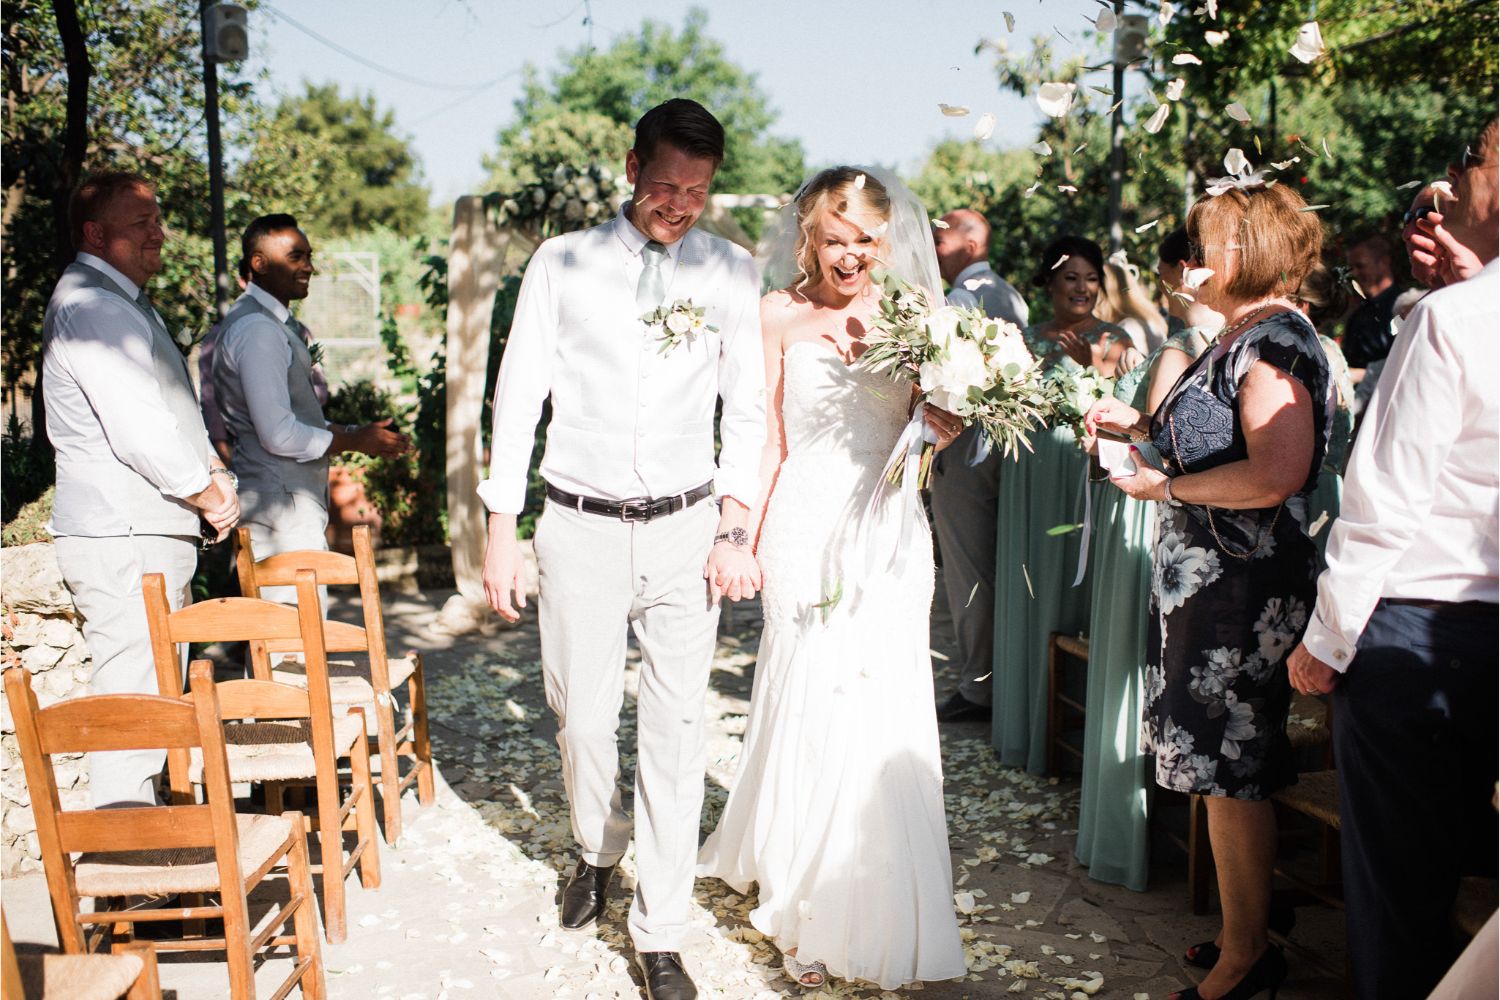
(683,123)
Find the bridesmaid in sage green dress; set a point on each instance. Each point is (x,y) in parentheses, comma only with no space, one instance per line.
(1113,838)
(1323,300)
(1034,571)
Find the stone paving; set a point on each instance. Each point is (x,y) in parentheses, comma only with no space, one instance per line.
(467,906)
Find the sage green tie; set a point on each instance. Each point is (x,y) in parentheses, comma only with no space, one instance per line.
(651,289)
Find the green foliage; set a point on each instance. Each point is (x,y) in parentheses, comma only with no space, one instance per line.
(25,473)
(410,508)
(587,112)
(30,523)
(351,148)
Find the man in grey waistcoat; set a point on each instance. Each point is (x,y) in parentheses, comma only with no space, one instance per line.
(966,483)
(263,378)
(135,471)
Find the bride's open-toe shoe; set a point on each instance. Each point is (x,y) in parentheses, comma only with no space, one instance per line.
(808,975)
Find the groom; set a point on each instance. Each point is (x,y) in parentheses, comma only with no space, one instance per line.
(640,528)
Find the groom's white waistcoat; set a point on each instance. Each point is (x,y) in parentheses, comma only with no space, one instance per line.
(628,419)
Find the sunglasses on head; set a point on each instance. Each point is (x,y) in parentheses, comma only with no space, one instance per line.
(1417,213)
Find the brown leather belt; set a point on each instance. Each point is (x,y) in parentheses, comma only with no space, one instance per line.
(633,508)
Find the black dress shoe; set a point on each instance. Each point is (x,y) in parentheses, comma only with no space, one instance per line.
(1205,955)
(583,896)
(960,709)
(666,979)
(1263,980)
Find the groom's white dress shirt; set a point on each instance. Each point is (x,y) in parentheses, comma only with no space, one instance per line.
(629,420)
(1419,513)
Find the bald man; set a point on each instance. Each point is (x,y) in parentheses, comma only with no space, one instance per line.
(967,479)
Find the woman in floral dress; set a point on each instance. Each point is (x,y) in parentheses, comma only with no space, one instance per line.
(1242,436)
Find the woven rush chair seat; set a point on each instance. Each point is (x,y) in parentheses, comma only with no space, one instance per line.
(348,681)
(78,977)
(178,869)
(1315,794)
(1307,723)
(276,751)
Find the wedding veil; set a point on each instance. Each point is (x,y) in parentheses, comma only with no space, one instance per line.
(909,251)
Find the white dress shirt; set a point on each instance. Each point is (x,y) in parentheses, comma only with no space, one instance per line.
(261,355)
(105,405)
(1422,495)
(629,420)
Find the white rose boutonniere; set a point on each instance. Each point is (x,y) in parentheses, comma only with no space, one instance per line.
(677,323)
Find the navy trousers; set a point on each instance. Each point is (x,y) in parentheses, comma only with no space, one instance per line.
(1415,738)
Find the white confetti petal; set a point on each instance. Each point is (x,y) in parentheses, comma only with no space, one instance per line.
(1404,187)
(953,110)
(964,901)
(1067,189)
(1164,16)
(1010,20)
(1149,225)
(1210,7)
(1283,164)
(1059,262)
(985,127)
(1106,21)
(1041,148)
(1174,89)
(1056,98)
(1020,897)
(1215,38)
(1238,113)
(1236,162)
(940,224)
(1194,277)
(1158,118)
(1309,45)
(859,182)
(1186,59)
(1028,193)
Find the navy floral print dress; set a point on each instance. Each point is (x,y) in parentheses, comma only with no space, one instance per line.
(1231,590)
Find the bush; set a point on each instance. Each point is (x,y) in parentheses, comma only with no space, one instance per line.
(26,472)
(30,523)
(411,509)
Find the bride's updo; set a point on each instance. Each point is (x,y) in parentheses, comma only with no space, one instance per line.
(837,189)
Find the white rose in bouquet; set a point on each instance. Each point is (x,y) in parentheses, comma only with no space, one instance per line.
(942,327)
(1010,349)
(947,382)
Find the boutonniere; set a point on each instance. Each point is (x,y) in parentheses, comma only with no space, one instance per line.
(315,351)
(677,323)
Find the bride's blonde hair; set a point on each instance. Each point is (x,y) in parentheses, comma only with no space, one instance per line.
(837,189)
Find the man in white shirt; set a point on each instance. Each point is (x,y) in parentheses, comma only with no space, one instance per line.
(966,486)
(1405,629)
(263,374)
(628,535)
(135,470)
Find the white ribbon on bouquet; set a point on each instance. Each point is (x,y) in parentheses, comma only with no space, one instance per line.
(906,455)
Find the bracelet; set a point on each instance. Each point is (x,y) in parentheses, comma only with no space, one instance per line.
(738,537)
(234,481)
(1167,488)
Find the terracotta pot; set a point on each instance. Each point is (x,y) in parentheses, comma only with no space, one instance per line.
(348,506)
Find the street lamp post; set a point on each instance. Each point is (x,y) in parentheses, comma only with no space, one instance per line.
(215,165)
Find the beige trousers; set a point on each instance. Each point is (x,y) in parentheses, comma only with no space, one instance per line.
(599,575)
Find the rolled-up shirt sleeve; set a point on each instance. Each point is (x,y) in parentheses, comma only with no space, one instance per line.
(523,385)
(261,357)
(742,386)
(109,351)
(1408,431)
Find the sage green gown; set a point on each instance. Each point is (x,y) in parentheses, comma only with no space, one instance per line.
(1034,572)
(1324,500)
(1113,838)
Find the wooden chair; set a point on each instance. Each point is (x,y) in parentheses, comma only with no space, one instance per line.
(44,975)
(1060,704)
(308,746)
(156,850)
(352,683)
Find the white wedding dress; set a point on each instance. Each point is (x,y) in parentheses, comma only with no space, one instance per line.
(836,811)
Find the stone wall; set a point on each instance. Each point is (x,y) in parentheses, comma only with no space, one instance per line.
(39,631)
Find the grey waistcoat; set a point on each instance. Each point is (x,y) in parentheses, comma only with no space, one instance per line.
(104,496)
(266,478)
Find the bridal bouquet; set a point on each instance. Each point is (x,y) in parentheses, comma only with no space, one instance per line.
(963,361)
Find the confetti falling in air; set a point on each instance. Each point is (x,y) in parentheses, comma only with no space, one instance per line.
(1211,8)
(1106,21)
(1158,118)
(1194,277)
(1150,225)
(1042,148)
(1186,59)
(859,183)
(1010,21)
(1031,190)
(1164,16)
(1309,46)
(1060,261)
(1236,162)
(1215,38)
(953,110)
(1175,88)
(1283,164)
(940,224)
(985,127)
(1056,98)
(1238,113)
(1408,185)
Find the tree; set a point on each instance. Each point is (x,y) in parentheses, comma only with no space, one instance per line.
(587,112)
(353,151)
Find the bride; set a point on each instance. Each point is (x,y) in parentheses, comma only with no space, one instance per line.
(836,810)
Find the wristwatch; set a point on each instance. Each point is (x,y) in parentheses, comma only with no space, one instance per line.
(738,537)
(234,481)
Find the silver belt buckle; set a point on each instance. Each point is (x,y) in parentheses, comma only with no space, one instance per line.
(635,509)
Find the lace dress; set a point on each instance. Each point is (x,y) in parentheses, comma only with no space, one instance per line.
(836,811)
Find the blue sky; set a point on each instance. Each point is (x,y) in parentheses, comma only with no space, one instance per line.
(854,82)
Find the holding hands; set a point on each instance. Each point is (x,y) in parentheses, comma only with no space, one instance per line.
(219,503)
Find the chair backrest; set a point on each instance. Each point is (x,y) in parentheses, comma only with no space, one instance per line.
(331,569)
(123,722)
